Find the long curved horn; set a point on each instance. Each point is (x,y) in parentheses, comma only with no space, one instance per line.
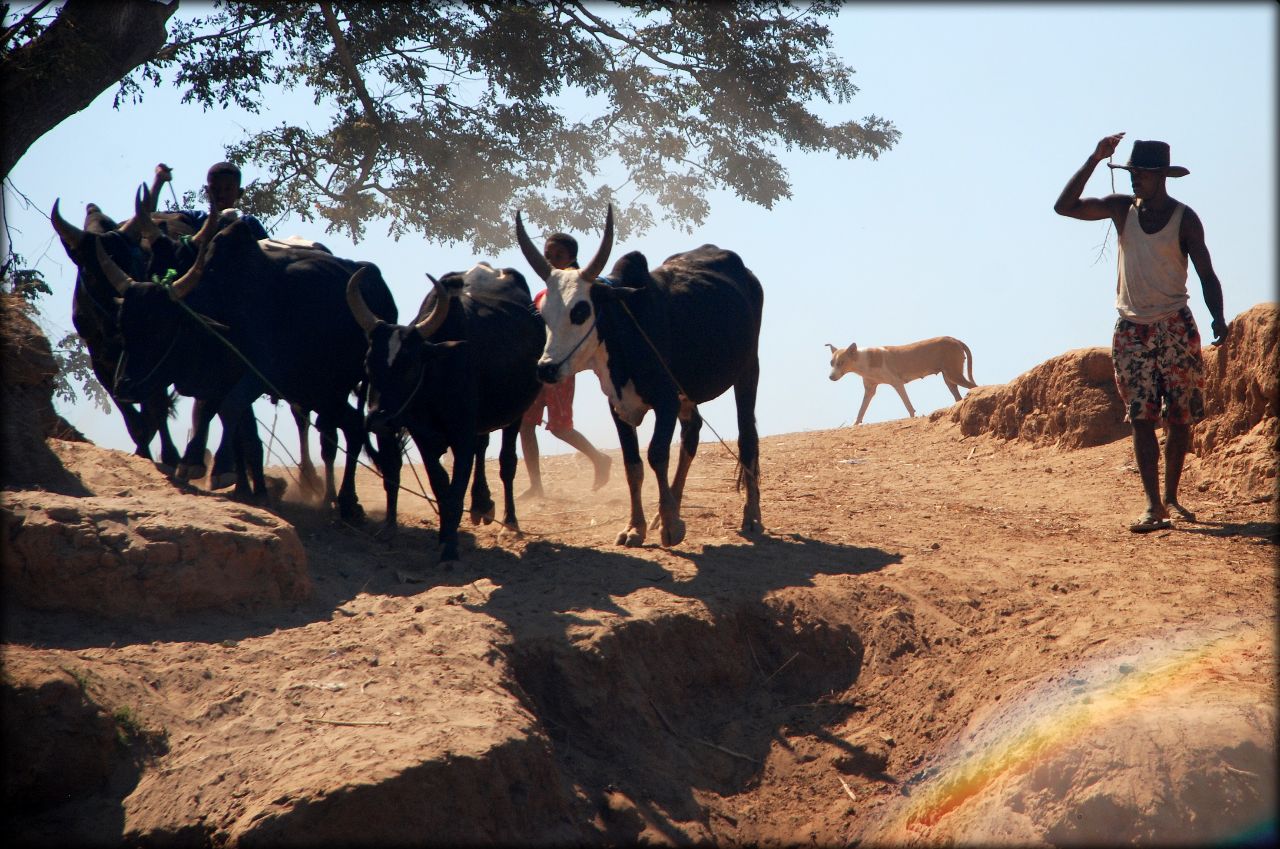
(359,309)
(539,262)
(186,284)
(439,310)
(140,227)
(596,265)
(114,273)
(70,234)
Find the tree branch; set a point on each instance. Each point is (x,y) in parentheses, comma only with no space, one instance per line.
(9,33)
(89,47)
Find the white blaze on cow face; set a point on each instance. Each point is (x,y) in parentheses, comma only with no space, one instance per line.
(393,346)
(572,341)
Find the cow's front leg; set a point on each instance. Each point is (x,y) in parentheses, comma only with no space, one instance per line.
(353,433)
(191,467)
(388,461)
(690,429)
(450,498)
(659,459)
(633,535)
(482,507)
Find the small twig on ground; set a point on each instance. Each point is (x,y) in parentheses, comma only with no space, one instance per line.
(676,733)
(343,721)
(753,656)
(747,758)
(782,667)
(663,717)
(846,788)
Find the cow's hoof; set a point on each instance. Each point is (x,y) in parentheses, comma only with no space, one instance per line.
(483,515)
(632,537)
(193,473)
(222,480)
(752,525)
(352,514)
(167,469)
(673,532)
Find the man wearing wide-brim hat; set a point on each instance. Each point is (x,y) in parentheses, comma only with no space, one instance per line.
(1156,346)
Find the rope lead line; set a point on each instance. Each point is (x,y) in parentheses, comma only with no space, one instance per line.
(277,394)
(680,389)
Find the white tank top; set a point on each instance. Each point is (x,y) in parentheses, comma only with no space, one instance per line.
(1152,284)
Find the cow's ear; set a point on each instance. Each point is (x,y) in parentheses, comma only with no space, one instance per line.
(445,349)
(631,270)
(614,294)
(853,347)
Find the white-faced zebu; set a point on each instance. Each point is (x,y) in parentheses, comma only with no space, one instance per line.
(284,311)
(466,368)
(95,316)
(664,340)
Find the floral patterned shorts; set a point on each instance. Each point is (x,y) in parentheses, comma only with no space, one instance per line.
(1159,370)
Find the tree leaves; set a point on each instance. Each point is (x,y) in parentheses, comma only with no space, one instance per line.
(443,118)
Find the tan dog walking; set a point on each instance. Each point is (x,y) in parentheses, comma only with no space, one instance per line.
(898,365)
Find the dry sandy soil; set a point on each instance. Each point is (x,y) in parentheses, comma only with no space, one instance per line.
(942,637)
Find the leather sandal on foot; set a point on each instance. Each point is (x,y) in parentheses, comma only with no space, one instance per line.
(1149,523)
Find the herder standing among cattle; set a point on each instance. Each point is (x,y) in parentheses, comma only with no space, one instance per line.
(561,250)
(223,189)
(1156,346)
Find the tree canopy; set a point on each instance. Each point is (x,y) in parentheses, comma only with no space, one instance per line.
(441,118)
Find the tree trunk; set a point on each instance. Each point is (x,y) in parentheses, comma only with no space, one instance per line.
(89,47)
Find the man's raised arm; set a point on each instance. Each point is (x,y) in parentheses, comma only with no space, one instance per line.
(1070,203)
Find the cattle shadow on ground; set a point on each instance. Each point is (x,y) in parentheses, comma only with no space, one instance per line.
(692,700)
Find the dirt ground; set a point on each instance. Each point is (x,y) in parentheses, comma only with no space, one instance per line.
(940,638)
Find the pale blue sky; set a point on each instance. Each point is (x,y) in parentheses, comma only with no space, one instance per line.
(951,232)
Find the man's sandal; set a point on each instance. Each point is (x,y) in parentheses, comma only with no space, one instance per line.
(1148,523)
(1177,511)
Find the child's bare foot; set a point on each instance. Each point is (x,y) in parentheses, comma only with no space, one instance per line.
(531,492)
(603,464)
(1177,511)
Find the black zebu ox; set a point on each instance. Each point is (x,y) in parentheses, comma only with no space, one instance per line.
(285,312)
(172,256)
(664,340)
(94,315)
(459,373)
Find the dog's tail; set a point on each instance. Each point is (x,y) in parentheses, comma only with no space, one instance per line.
(969,362)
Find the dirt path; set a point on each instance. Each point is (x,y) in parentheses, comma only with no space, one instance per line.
(934,641)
